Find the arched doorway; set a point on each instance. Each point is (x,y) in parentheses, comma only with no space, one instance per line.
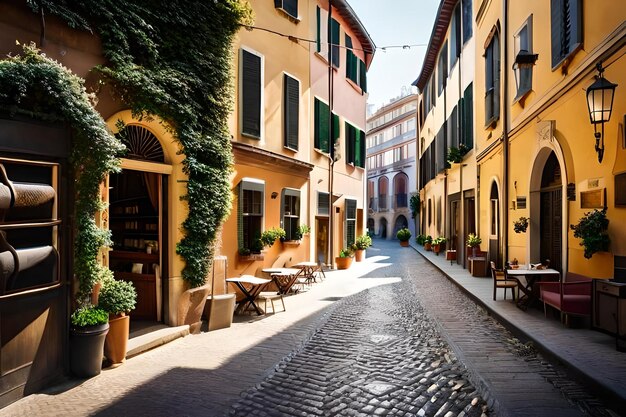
(550,213)
(401,223)
(138,221)
(383,228)
(370,225)
(495,250)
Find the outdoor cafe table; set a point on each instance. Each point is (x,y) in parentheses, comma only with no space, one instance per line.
(531,275)
(284,278)
(254,286)
(308,269)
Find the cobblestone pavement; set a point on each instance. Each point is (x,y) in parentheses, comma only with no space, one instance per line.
(399,340)
(382,352)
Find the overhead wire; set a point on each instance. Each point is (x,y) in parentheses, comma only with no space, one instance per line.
(297,38)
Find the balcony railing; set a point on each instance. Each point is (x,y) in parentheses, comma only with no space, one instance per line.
(383,203)
(401,200)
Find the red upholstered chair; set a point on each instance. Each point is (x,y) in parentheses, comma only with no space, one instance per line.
(571,296)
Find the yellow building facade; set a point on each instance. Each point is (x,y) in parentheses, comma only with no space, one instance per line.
(283,174)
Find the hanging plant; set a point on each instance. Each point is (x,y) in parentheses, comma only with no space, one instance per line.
(592,229)
(34,85)
(414,204)
(520,225)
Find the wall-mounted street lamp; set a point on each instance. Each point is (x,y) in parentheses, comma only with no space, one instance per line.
(600,104)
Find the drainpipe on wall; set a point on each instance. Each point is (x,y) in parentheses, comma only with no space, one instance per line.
(505,134)
(331,162)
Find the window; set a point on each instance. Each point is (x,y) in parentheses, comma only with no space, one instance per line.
(455,36)
(453,126)
(467,20)
(410,125)
(288,6)
(355,68)
(290,213)
(323,202)
(291,112)
(467,117)
(433,91)
(323,128)
(492,80)
(355,146)
(322,37)
(523,42)
(442,68)
(566,24)
(350,221)
(250,207)
(441,148)
(430,212)
(383,192)
(251,73)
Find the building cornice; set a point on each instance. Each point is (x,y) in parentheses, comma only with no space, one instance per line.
(261,158)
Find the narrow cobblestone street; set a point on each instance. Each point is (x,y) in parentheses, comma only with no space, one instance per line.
(391,336)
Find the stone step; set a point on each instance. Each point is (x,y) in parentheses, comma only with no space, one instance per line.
(153,337)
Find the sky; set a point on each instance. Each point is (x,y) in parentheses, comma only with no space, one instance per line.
(393,23)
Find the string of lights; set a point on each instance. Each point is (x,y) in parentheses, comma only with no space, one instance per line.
(299,39)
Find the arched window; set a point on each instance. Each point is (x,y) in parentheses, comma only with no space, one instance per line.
(383,192)
(400,188)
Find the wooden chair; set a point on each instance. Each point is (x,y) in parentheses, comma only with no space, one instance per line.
(500,281)
(271,296)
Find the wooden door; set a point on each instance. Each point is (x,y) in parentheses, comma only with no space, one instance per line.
(551,227)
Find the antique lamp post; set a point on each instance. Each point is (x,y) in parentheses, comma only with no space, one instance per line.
(600,104)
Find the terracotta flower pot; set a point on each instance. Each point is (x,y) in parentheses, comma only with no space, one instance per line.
(437,249)
(116,342)
(428,246)
(343,263)
(359,255)
(404,243)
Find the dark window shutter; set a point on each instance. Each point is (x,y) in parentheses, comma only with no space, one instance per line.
(496,76)
(350,140)
(455,36)
(556,21)
(323,201)
(350,60)
(319,29)
(335,127)
(575,24)
(467,20)
(360,149)
(289,6)
(362,75)
(468,117)
(334,40)
(251,94)
(291,111)
(321,126)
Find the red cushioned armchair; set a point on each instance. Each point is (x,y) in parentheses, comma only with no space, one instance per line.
(572,296)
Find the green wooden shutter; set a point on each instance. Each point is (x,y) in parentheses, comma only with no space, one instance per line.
(291,111)
(250,94)
(335,42)
(322,131)
(349,143)
(361,149)
(319,29)
(362,75)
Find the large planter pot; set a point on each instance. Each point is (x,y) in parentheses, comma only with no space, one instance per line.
(359,255)
(343,263)
(428,246)
(116,342)
(404,243)
(86,350)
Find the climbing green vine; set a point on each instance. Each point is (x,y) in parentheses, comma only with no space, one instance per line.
(36,86)
(173,61)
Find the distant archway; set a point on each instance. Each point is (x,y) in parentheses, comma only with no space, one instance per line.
(383,228)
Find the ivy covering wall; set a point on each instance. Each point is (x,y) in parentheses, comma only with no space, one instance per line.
(173,61)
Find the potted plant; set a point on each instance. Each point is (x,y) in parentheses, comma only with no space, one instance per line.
(420,239)
(302,230)
(361,244)
(428,241)
(270,236)
(403,236)
(117,298)
(592,229)
(89,326)
(439,244)
(520,225)
(473,242)
(344,260)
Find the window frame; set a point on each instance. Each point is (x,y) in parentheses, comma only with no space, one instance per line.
(492,79)
(290,230)
(254,185)
(525,75)
(574,37)
(280,4)
(350,220)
